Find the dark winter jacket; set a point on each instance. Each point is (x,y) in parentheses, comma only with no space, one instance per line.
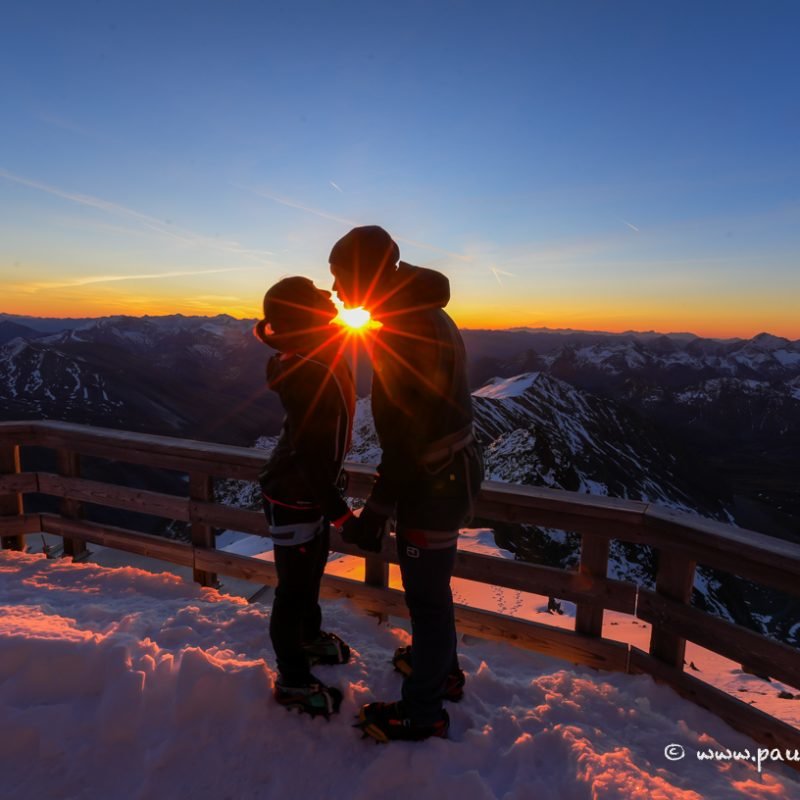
(420,394)
(318,395)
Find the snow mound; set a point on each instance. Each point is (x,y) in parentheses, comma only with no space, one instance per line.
(120,683)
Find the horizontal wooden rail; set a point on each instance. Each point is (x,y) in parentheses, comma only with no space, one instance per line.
(739,644)
(20,525)
(21,482)
(548,581)
(142,501)
(537,505)
(229,518)
(760,558)
(143,544)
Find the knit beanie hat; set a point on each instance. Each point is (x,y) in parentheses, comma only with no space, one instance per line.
(366,251)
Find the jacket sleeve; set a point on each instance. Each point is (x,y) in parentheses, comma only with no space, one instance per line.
(313,412)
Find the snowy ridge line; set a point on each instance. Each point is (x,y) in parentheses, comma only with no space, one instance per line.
(685,538)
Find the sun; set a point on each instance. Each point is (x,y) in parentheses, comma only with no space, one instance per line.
(356,319)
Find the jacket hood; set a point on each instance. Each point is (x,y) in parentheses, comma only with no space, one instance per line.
(416,288)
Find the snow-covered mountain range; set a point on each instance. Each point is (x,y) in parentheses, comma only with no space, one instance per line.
(188,376)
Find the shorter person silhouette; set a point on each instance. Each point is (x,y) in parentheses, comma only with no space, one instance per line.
(300,483)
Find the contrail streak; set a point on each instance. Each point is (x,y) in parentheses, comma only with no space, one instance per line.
(152,223)
(632,227)
(497,272)
(141,276)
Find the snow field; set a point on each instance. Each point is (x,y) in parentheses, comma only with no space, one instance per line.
(120,683)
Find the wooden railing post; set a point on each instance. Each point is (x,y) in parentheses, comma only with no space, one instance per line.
(69,465)
(674,580)
(11,504)
(376,571)
(201,488)
(594,563)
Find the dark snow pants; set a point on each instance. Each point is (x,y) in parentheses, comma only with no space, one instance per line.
(426,577)
(429,515)
(296,616)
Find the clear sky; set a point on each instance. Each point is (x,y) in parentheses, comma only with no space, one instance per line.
(606,165)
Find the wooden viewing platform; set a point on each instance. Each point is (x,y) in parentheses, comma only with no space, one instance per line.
(680,540)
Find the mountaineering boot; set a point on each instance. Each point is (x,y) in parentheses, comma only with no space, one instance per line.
(386,722)
(454,686)
(309,697)
(326,648)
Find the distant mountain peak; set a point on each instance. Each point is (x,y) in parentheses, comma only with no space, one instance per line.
(769,341)
(499,388)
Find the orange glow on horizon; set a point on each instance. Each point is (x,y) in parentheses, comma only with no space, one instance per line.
(743,321)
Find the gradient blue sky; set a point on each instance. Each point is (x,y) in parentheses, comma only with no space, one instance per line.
(607,165)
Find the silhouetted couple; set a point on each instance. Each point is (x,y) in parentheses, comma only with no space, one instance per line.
(429,473)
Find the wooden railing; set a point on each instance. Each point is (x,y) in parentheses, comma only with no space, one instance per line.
(681,541)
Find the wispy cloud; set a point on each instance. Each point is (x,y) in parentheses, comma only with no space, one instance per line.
(630,225)
(284,201)
(90,279)
(182,235)
(335,186)
(351,222)
(64,124)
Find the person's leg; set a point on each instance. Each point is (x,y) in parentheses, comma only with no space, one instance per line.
(288,609)
(317,556)
(426,571)
(296,594)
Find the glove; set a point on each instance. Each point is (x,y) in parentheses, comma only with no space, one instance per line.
(367,530)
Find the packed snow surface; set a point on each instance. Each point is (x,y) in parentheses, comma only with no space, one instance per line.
(121,683)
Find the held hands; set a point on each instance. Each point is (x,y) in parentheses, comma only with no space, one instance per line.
(367,530)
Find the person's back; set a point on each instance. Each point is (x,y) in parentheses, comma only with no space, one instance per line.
(421,402)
